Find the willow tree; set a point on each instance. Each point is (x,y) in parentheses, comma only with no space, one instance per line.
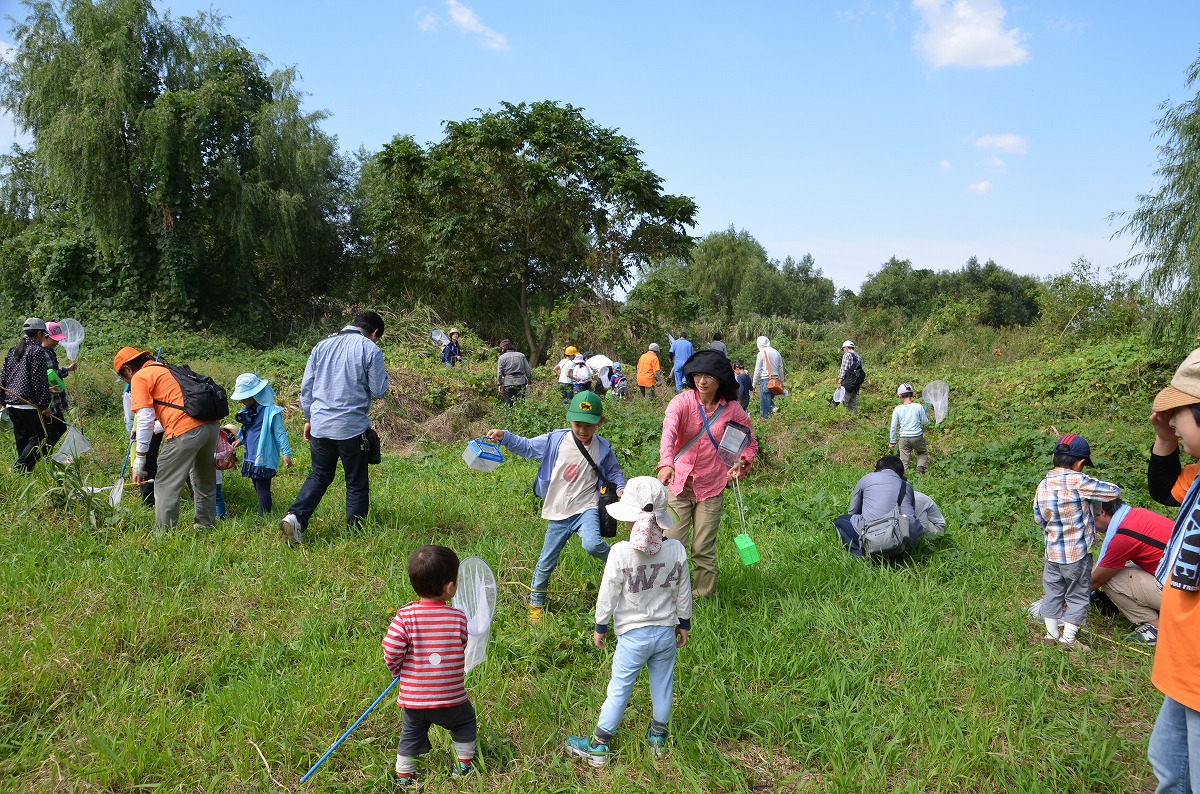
(527,206)
(1167,226)
(163,144)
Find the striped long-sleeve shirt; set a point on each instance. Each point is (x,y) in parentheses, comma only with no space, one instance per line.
(1061,507)
(424,647)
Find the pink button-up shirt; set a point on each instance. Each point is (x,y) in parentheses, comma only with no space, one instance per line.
(700,461)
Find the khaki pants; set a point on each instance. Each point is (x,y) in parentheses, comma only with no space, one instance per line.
(1136,594)
(188,455)
(915,444)
(703,518)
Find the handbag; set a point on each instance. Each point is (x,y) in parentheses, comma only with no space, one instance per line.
(225,456)
(370,446)
(608,494)
(774,384)
(886,536)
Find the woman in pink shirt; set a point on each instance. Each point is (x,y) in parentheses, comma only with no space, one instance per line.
(689,463)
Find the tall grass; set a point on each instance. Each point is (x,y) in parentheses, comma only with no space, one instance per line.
(134,660)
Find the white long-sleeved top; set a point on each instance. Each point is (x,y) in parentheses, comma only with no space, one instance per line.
(768,355)
(642,590)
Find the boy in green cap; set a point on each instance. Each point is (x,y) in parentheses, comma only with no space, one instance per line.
(568,482)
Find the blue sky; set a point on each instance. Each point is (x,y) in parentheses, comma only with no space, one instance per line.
(932,130)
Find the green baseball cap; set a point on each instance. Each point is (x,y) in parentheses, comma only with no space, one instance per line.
(586,407)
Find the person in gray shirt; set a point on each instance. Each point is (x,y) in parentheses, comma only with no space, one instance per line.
(874,497)
(513,373)
(345,372)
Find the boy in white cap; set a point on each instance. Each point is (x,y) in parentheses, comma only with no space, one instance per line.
(908,425)
(647,592)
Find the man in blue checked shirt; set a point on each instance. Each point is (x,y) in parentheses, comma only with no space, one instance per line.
(345,372)
(1061,506)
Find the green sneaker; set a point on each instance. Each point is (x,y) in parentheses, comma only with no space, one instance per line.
(657,742)
(462,768)
(584,747)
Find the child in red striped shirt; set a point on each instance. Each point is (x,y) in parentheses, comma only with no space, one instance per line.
(424,649)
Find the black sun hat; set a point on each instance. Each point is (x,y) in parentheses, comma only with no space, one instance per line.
(715,363)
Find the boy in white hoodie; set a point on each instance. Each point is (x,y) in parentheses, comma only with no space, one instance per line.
(647,592)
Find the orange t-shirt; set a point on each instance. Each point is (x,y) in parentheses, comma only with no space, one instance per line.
(647,366)
(1177,654)
(1180,488)
(155,382)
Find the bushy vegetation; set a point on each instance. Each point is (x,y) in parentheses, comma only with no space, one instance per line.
(226,662)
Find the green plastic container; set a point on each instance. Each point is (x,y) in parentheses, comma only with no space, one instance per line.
(746,549)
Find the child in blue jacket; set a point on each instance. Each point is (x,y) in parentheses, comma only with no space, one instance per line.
(262,434)
(568,486)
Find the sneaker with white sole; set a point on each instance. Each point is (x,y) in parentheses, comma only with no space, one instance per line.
(657,742)
(289,529)
(1075,646)
(1145,634)
(587,748)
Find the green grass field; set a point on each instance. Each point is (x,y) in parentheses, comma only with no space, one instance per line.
(137,660)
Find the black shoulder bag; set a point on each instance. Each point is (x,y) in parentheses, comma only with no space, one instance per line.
(608,494)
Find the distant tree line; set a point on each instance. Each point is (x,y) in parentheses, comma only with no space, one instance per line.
(172,177)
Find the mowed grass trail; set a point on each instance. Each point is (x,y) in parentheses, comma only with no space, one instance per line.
(134,660)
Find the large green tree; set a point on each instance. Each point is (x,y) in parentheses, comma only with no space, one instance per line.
(518,209)
(1167,225)
(188,176)
(718,266)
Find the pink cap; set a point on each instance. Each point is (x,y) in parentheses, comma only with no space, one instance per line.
(55,332)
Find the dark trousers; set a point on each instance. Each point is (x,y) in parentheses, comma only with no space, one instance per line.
(262,487)
(325,454)
(147,490)
(512,393)
(30,434)
(848,535)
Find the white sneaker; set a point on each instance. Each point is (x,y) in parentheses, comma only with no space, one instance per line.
(289,528)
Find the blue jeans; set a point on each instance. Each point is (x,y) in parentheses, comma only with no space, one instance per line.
(766,401)
(848,534)
(325,454)
(1174,741)
(652,647)
(587,524)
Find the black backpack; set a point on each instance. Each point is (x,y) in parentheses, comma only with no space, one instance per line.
(203,398)
(855,375)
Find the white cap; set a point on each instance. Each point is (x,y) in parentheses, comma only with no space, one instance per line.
(904,389)
(640,493)
(847,344)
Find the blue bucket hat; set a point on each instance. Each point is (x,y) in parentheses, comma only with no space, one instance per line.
(247,385)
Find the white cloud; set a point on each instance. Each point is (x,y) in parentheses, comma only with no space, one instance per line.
(1009,143)
(465,20)
(968,33)
(980,187)
(945,164)
(426,20)
(996,162)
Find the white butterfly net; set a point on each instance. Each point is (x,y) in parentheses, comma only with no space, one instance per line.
(476,597)
(74,333)
(937,394)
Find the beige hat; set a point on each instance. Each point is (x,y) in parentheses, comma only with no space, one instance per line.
(1185,386)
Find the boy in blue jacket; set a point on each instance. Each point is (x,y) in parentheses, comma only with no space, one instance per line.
(568,486)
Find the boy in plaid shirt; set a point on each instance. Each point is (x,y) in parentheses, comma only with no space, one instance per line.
(1061,506)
